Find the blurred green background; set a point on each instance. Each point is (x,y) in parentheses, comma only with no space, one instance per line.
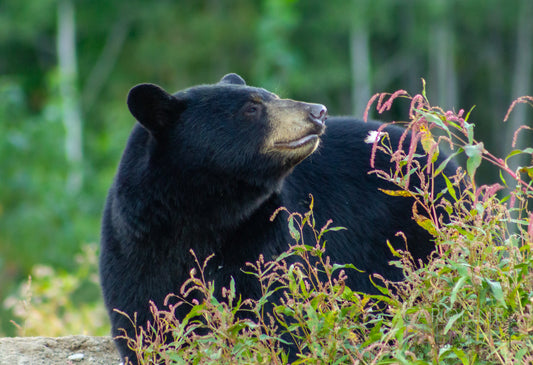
(66,67)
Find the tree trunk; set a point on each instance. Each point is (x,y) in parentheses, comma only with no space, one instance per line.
(521,84)
(442,64)
(71,114)
(360,65)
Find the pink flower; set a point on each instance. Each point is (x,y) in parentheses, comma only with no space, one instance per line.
(388,104)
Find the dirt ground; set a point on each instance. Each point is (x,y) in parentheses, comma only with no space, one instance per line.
(70,350)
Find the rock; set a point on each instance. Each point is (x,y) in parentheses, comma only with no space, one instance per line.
(82,350)
(76,357)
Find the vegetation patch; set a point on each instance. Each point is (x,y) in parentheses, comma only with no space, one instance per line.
(472,304)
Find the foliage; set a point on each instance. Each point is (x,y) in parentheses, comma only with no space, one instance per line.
(472,304)
(57,303)
(317,312)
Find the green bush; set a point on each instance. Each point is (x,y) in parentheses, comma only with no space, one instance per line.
(59,303)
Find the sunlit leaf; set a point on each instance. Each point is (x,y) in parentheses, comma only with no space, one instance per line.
(503,179)
(396,192)
(528,170)
(427,224)
(393,251)
(468,114)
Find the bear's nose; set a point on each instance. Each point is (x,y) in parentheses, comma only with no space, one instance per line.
(318,113)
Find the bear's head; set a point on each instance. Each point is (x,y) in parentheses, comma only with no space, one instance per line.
(228,128)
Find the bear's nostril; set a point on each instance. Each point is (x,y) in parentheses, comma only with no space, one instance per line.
(318,112)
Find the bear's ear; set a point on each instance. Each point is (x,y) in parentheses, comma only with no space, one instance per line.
(153,107)
(233,79)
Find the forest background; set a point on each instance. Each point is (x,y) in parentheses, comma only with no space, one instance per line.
(66,67)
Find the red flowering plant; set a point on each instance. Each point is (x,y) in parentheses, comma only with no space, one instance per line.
(472,303)
(432,126)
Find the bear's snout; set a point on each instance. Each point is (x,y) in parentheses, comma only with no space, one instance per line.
(318,113)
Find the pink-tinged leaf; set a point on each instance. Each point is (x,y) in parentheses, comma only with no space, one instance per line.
(295,234)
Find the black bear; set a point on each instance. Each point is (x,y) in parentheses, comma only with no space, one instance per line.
(206,167)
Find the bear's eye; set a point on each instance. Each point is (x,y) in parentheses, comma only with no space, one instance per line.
(252,109)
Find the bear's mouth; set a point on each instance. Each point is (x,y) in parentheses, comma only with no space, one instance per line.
(298,143)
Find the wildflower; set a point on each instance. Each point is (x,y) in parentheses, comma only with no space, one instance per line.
(388,104)
(455,117)
(373,137)
(522,99)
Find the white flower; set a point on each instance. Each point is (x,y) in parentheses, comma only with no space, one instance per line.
(373,137)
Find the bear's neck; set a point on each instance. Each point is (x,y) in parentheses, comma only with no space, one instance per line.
(226,204)
(200,213)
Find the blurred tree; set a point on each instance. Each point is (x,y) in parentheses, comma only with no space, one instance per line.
(522,72)
(68,89)
(475,52)
(360,56)
(442,76)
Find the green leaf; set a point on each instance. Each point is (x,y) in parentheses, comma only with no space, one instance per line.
(382,289)
(451,321)
(450,187)
(528,151)
(295,234)
(334,229)
(303,288)
(424,88)
(474,153)
(461,355)
(336,267)
(470,131)
(468,114)
(393,251)
(496,290)
(456,289)
(444,350)
(231,289)
(502,179)
(432,118)
(444,163)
